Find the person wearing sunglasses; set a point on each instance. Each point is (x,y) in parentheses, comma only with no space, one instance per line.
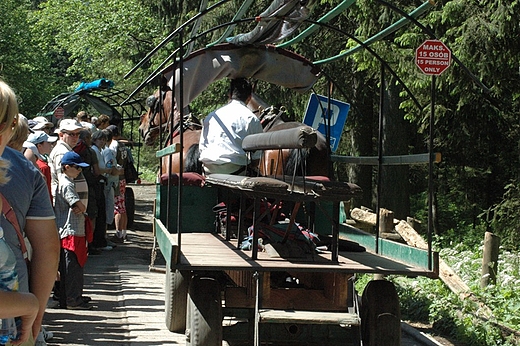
(68,132)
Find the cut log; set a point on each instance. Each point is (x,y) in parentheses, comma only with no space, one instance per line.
(366,220)
(364,216)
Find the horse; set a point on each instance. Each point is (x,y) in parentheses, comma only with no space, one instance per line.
(310,162)
(314,161)
(155,121)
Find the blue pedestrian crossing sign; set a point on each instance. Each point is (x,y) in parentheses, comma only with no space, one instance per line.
(315,117)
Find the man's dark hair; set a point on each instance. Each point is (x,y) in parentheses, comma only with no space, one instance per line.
(240,89)
(108,135)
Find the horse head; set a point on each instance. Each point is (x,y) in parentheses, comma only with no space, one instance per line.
(159,108)
(157,120)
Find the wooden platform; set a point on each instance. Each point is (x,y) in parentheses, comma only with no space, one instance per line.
(208,251)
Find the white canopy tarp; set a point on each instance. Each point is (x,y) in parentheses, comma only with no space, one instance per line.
(267,63)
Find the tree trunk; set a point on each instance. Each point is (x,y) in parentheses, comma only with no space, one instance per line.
(395,179)
(361,137)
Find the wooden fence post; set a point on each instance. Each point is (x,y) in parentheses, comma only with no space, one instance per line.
(490,259)
(386,221)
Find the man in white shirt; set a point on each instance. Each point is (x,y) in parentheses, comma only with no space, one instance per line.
(223,131)
(69,130)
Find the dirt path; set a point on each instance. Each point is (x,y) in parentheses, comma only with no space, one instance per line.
(128,299)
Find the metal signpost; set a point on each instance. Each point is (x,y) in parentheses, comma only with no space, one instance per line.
(432,57)
(315,117)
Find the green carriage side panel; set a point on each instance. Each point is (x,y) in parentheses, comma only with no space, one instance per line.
(388,248)
(197,204)
(167,242)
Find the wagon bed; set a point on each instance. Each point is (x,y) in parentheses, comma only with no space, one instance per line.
(210,251)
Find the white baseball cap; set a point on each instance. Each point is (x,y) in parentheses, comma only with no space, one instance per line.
(69,125)
(41,122)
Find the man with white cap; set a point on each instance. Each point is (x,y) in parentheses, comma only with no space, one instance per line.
(68,132)
(41,147)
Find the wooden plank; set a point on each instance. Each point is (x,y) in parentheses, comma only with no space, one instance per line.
(266,286)
(169,150)
(167,242)
(237,297)
(309,317)
(301,299)
(336,288)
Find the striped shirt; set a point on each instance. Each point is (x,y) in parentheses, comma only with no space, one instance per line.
(67,195)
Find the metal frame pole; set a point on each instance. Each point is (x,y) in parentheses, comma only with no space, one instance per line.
(430,174)
(380,151)
(181,129)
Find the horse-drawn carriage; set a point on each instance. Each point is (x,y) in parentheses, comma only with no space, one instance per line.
(282,269)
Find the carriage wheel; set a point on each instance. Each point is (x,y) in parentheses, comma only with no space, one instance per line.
(380,314)
(204,313)
(176,299)
(130,206)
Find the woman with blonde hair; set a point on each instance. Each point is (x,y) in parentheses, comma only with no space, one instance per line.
(8,120)
(13,304)
(20,133)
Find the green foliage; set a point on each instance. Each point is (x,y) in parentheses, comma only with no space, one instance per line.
(148,165)
(22,65)
(427,300)
(430,301)
(505,217)
(101,39)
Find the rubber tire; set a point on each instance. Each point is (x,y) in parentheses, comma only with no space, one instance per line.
(130,206)
(204,313)
(380,314)
(176,299)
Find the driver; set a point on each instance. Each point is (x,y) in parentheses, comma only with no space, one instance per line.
(224,129)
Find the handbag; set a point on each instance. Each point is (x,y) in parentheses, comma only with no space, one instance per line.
(131,174)
(10,215)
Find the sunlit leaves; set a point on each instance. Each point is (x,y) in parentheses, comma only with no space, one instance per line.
(102,38)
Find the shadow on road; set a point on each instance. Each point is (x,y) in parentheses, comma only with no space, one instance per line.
(127,299)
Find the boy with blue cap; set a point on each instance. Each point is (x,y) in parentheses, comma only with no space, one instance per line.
(70,217)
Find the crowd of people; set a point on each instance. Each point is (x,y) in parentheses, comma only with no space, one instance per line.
(62,186)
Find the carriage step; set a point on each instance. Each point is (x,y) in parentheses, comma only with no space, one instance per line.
(309,317)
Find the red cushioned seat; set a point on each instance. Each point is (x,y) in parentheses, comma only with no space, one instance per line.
(188,179)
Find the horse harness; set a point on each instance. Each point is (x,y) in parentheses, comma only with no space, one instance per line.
(272,116)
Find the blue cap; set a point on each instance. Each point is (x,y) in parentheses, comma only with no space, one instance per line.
(72,158)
